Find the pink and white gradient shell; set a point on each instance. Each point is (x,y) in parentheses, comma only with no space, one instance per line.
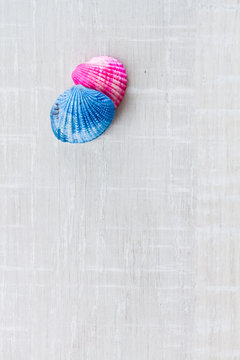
(105,74)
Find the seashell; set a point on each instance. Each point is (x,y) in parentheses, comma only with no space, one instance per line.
(105,74)
(80,114)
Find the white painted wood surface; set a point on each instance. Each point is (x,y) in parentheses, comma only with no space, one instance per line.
(127,247)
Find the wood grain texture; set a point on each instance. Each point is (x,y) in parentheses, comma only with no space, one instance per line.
(126,247)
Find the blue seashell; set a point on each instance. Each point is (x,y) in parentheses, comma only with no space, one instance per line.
(81,114)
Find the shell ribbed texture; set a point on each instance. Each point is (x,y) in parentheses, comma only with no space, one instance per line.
(105,74)
(80,115)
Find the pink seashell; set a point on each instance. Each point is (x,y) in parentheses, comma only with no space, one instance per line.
(105,74)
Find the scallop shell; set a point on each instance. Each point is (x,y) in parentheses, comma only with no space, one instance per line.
(80,114)
(105,74)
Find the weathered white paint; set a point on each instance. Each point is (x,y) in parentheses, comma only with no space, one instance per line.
(127,247)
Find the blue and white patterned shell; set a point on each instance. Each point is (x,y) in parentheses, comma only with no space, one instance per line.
(81,114)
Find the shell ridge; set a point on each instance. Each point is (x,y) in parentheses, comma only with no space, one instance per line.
(113,93)
(62,113)
(95,120)
(76,114)
(68,109)
(115,79)
(86,119)
(104,72)
(108,106)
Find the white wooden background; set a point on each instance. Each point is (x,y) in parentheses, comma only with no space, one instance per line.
(128,247)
